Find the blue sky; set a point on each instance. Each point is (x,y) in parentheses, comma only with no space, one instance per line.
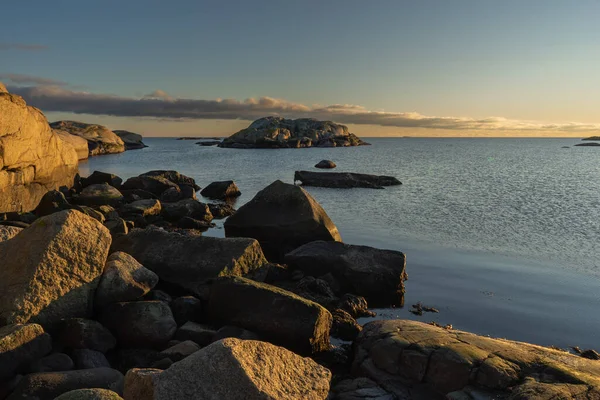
(448,65)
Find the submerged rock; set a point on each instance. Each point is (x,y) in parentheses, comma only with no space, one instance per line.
(101,140)
(344,180)
(278,132)
(233,369)
(282,217)
(33,159)
(132,141)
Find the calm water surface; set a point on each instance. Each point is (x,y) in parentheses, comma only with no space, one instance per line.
(501,235)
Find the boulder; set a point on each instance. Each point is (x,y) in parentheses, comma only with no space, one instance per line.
(88,359)
(187,261)
(20,345)
(173,176)
(344,325)
(186,208)
(180,351)
(191,223)
(140,324)
(278,132)
(8,232)
(79,144)
(145,208)
(117,226)
(376,274)
(229,331)
(281,217)
(221,190)
(200,334)
(52,363)
(89,394)
(354,305)
(124,279)
(325,164)
(186,308)
(344,180)
(57,277)
(98,177)
(153,184)
(360,389)
(49,385)
(53,201)
(233,369)
(132,141)
(221,210)
(101,140)
(295,323)
(132,195)
(171,195)
(33,159)
(406,356)
(100,194)
(79,333)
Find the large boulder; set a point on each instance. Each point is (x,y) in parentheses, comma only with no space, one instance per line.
(344,180)
(49,385)
(173,176)
(101,140)
(221,190)
(233,369)
(144,208)
(33,159)
(124,279)
(79,144)
(189,260)
(405,357)
(282,217)
(376,274)
(53,201)
(279,316)
(56,278)
(20,345)
(187,208)
(102,177)
(140,324)
(153,184)
(100,194)
(278,132)
(133,141)
(79,333)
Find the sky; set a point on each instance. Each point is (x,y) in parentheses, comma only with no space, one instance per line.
(382,67)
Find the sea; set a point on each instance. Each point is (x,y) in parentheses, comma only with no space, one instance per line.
(501,235)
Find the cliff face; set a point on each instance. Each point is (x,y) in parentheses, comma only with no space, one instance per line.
(33,160)
(278,132)
(101,140)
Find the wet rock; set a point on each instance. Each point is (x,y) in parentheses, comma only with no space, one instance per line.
(281,217)
(180,351)
(200,334)
(229,369)
(8,232)
(132,141)
(100,194)
(354,305)
(221,190)
(296,323)
(98,177)
(49,385)
(186,308)
(124,279)
(90,394)
(52,363)
(79,333)
(187,261)
(344,180)
(57,277)
(221,210)
(344,326)
(88,359)
(376,274)
(325,164)
(100,139)
(20,345)
(171,195)
(140,324)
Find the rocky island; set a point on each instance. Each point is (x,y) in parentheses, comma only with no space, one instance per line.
(278,132)
(108,290)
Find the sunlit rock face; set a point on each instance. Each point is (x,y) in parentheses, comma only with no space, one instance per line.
(278,132)
(101,140)
(33,159)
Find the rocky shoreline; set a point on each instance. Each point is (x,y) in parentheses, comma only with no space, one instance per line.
(108,290)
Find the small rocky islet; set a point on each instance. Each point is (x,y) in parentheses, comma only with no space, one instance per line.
(108,290)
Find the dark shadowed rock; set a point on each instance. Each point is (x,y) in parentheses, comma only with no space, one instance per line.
(180,351)
(189,260)
(360,389)
(100,194)
(7,386)
(125,359)
(132,141)
(590,144)
(49,385)
(87,359)
(158,295)
(52,363)
(186,208)
(186,308)
(278,132)
(376,274)
(221,190)
(90,394)
(124,279)
(354,305)
(296,323)
(344,325)
(175,177)
(140,324)
(132,195)
(100,139)
(8,232)
(228,331)
(144,208)
(281,217)
(191,223)
(52,202)
(98,177)
(117,226)
(221,210)
(325,164)
(20,345)
(79,333)
(57,277)
(344,180)
(233,369)
(153,184)
(198,333)
(171,195)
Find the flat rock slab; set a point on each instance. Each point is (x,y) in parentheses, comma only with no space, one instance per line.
(189,260)
(279,316)
(412,355)
(344,180)
(233,369)
(376,274)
